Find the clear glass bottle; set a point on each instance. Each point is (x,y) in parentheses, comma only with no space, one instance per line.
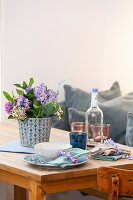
(94,118)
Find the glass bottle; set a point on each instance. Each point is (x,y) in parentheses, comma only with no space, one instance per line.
(94,118)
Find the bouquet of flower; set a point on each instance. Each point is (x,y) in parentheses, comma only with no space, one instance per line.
(32,102)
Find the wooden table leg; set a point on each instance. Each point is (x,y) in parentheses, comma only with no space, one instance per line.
(36,192)
(19,193)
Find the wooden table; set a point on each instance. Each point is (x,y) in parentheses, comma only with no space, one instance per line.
(39,182)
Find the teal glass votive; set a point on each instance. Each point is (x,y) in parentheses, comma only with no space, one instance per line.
(78,140)
(78,137)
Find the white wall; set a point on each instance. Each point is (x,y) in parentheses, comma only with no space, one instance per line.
(119,43)
(87,41)
(53,40)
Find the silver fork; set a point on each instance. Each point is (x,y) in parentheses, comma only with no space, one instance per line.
(33,159)
(40,160)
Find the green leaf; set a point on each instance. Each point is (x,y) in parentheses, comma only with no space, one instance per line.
(31,81)
(13,94)
(20,91)
(31,110)
(50,106)
(31,113)
(30,94)
(18,85)
(39,111)
(10,117)
(24,85)
(45,107)
(48,109)
(36,104)
(8,97)
(44,111)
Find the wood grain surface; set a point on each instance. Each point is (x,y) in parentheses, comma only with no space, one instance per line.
(115,181)
(14,162)
(15,170)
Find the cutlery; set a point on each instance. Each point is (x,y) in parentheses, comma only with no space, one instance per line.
(40,160)
(33,159)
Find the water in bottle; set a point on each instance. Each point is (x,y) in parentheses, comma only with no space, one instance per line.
(94,119)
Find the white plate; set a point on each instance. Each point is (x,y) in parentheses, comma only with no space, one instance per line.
(33,159)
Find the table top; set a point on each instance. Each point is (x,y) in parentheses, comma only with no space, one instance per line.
(14,162)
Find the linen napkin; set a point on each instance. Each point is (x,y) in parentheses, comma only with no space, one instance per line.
(107,158)
(15,147)
(108,152)
(64,161)
(104,149)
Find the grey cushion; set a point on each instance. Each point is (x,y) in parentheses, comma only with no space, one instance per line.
(114,112)
(129,130)
(75,115)
(63,123)
(80,100)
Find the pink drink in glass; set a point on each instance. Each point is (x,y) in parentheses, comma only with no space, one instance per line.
(96,132)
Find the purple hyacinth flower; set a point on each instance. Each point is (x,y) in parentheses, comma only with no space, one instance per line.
(23,102)
(26,104)
(20,101)
(111,142)
(130,157)
(28,88)
(52,95)
(43,95)
(40,92)
(8,107)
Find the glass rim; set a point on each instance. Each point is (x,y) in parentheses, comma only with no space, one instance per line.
(98,125)
(78,123)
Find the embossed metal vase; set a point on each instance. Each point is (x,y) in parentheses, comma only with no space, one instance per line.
(34,130)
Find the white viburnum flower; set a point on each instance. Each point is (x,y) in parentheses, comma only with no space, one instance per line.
(16,96)
(18,113)
(59,113)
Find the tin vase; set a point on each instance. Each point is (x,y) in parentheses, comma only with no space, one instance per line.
(34,130)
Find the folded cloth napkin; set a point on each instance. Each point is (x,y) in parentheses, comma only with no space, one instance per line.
(64,161)
(104,149)
(107,158)
(16,147)
(107,150)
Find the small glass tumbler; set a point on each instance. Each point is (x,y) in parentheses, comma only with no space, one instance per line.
(96,132)
(78,137)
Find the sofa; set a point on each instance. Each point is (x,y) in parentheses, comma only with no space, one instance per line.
(115,109)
